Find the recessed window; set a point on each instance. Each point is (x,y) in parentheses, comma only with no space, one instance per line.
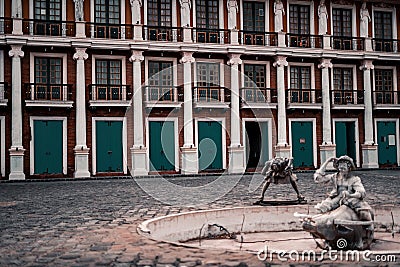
(207,14)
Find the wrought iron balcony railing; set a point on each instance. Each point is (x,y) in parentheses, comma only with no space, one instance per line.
(210,94)
(218,36)
(109,31)
(304,40)
(48,27)
(259,95)
(385,45)
(347,97)
(162,33)
(109,92)
(258,38)
(386,97)
(158,93)
(6,25)
(348,43)
(49,92)
(303,96)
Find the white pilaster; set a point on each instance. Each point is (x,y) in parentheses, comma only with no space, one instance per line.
(189,151)
(236,150)
(327,149)
(138,151)
(81,150)
(369,148)
(16,150)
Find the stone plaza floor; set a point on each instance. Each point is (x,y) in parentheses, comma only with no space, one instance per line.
(93,222)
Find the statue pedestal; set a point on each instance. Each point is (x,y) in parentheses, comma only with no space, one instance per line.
(81,162)
(370,156)
(17,26)
(236,160)
(326,152)
(189,160)
(80,29)
(187,35)
(281,39)
(139,161)
(368,44)
(326,40)
(17,163)
(234,37)
(137,32)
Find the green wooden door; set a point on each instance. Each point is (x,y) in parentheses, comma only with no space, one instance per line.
(387,142)
(109,146)
(345,139)
(48,146)
(210,145)
(302,144)
(162,145)
(264,143)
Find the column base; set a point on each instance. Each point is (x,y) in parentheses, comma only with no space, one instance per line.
(236,160)
(189,160)
(370,156)
(81,162)
(282,151)
(139,161)
(326,152)
(17,163)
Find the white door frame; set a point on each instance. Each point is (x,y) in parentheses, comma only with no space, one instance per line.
(124,141)
(269,121)
(314,127)
(223,129)
(176,138)
(356,133)
(32,142)
(396,121)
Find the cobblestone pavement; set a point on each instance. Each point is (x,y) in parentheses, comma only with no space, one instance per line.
(93,222)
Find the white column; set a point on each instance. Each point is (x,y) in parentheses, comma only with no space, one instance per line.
(138,151)
(282,149)
(189,151)
(327,149)
(16,150)
(236,150)
(369,148)
(81,150)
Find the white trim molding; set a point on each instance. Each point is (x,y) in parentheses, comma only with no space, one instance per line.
(304,3)
(356,133)
(122,10)
(394,19)
(174,21)
(48,55)
(314,126)
(176,138)
(396,121)
(353,16)
(32,142)
(124,141)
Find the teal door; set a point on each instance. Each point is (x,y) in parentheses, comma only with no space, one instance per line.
(210,145)
(109,146)
(48,146)
(387,142)
(302,144)
(162,145)
(345,139)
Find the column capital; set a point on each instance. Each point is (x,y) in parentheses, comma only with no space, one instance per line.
(367,65)
(325,63)
(137,56)
(80,54)
(16,51)
(280,61)
(234,59)
(187,57)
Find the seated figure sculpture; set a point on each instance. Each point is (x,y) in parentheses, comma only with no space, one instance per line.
(279,171)
(344,213)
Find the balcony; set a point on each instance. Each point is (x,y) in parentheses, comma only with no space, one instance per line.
(163,96)
(385,45)
(258,38)
(48,27)
(259,97)
(109,95)
(3,93)
(304,98)
(217,36)
(347,99)
(109,31)
(386,100)
(6,25)
(161,33)
(210,97)
(348,43)
(304,40)
(44,95)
